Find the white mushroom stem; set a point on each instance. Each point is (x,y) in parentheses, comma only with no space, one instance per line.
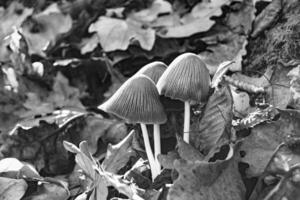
(153,166)
(186,126)
(157,144)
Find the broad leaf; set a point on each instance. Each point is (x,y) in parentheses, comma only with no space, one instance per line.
(12,16)
(117,34)
(51,190)
(118,155)
(281,176)
(201,180)
(198,20)
(12,189)
(214,128)
(62,96)
(228,41)
(43,29)
(13,168)
(266,17)
(150,14)
(264,139)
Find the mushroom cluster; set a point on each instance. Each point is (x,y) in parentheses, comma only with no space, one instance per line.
(137,100)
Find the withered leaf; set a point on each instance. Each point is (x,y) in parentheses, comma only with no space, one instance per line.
(119,154)
(214,127)
(264,139)
(201,180)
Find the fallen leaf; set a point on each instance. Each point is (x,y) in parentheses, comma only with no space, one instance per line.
(109,31)
(266,17)
(221,71)
(12,16)
(59,117)
(62,96)
(213,130)
(140,174)
(241,102)
(187,151)
(228,41)
(97,127)
(119,154)
(50,191)
(43,29)
(196,21)
(256,117)
(260,145)
(150,14)
(100,177)
(167,161)
(280,177)
(207,180)
(13,168)
(12,189)
(88,44)
(294,74)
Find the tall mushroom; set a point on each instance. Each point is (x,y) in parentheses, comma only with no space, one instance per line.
(153,70)
(186,79)
(137,101)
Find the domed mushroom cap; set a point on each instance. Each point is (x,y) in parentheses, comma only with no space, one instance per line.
(153,70)
(186,79)
(136,101)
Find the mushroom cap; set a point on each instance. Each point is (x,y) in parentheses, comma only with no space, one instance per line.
(153,70)
(136,101)
(186,79)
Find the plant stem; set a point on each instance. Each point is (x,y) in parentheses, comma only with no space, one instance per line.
(186,128)
(157,144)
(153,167)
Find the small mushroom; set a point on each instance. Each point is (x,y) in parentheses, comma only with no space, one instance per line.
(137,101)
(153,70)
(186,79)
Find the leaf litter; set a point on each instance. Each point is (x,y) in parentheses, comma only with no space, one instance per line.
(237,125)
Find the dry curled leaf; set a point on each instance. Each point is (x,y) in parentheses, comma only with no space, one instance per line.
(256,117)
(266,17)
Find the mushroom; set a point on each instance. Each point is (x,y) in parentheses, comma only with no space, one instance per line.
(186,79)
(137,101)
(153,70)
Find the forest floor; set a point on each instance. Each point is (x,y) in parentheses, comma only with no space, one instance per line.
(60,60)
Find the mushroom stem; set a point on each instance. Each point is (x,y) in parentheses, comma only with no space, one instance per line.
(153,167)
(157,145)
(186,126)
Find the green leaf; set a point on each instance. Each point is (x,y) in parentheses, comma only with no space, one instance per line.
(117,34)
